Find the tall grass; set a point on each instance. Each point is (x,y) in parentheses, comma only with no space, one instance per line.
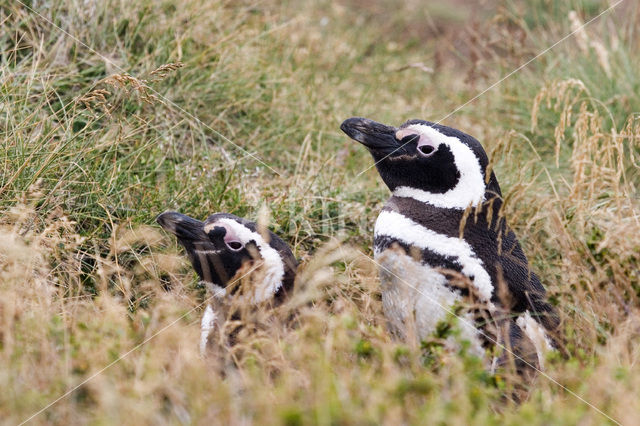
(140,114)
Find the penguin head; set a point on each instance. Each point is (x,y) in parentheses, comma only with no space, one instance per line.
(225,244)
(443,163)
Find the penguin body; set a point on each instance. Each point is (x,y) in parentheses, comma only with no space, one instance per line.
(226,248)
(444,219)
(413,297)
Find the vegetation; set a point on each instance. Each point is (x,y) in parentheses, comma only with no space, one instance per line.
(112,112)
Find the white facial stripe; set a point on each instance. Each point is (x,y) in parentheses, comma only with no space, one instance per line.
(272,260)
(399,227)
(535,332)
(469,189)
(403,133)
(209,226)
(229,236)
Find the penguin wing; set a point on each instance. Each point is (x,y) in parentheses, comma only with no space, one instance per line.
(498,247)
(513,268)
(524,286)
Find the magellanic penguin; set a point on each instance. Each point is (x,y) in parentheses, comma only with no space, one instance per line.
(444,221)
(226,250)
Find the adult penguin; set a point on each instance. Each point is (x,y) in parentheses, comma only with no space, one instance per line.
(441,239)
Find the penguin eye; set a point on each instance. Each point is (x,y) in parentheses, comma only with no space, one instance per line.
(234,245)
(426,150)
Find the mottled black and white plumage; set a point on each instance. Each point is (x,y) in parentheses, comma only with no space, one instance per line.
(224,246)
(444,217)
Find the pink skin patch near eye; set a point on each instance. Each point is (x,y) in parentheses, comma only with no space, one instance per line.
(425,146)
(231,239)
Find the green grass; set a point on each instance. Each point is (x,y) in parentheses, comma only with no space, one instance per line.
(86,275)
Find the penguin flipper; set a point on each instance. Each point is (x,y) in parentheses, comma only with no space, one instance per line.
(527,293)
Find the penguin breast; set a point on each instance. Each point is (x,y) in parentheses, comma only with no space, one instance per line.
(435,249)
(416,297)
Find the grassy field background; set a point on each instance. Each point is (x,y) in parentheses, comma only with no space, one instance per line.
(112,112)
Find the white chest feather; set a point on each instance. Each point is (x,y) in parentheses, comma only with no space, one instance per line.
(207,324)
(398,227)
(415,299)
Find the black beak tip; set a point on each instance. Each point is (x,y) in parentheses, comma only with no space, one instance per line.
(373,135)
(352,127)
(161,218)
(182,226)
(168,220)
(349,123)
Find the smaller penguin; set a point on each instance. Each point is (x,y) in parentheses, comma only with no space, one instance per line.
(225,248)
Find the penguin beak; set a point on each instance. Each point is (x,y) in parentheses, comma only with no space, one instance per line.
(375,136)
(182,226)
